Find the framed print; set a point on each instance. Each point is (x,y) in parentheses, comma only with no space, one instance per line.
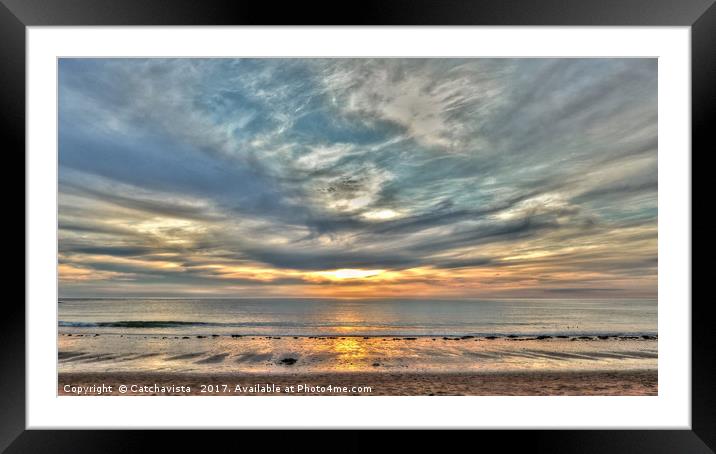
(233,221)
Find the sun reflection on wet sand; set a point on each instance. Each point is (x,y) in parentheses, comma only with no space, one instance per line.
(350,353)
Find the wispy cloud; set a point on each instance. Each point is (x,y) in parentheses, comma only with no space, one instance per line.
(459,177)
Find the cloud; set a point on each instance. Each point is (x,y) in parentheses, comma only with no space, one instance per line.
(484,175)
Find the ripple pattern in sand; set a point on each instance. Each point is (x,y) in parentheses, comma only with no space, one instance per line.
(278,354)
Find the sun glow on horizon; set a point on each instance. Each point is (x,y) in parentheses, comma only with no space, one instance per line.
(350,273)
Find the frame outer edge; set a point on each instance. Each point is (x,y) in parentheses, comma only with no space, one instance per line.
(365,12)
(703,107)
(12,53)
(12,115)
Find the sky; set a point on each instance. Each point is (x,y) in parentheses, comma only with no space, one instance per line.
(454,178)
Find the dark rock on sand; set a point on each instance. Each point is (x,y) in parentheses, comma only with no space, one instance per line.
(512,336)
(288,361)
(185,337)
(603,337)
(214,335)
(236,335)
(410,338)
(376,364)
(562,337)
(543,337)
(648,337)
(586,338)
(467,337)
(201,337)
(491,337)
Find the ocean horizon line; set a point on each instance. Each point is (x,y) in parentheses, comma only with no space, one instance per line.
(502,298)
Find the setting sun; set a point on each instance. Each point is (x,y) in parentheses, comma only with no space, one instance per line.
(350,273)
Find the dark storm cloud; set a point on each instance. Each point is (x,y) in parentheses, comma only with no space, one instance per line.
(117,251)
(326,260)
(466,263)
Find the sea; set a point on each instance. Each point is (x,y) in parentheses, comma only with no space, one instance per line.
(364,317)
(279,336)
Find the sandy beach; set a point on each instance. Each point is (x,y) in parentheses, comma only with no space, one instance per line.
(91,364)
(583,383)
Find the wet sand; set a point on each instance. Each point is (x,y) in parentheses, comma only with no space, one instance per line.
(527,383)
(272,355)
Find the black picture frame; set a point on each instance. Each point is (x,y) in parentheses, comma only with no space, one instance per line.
(700,15)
